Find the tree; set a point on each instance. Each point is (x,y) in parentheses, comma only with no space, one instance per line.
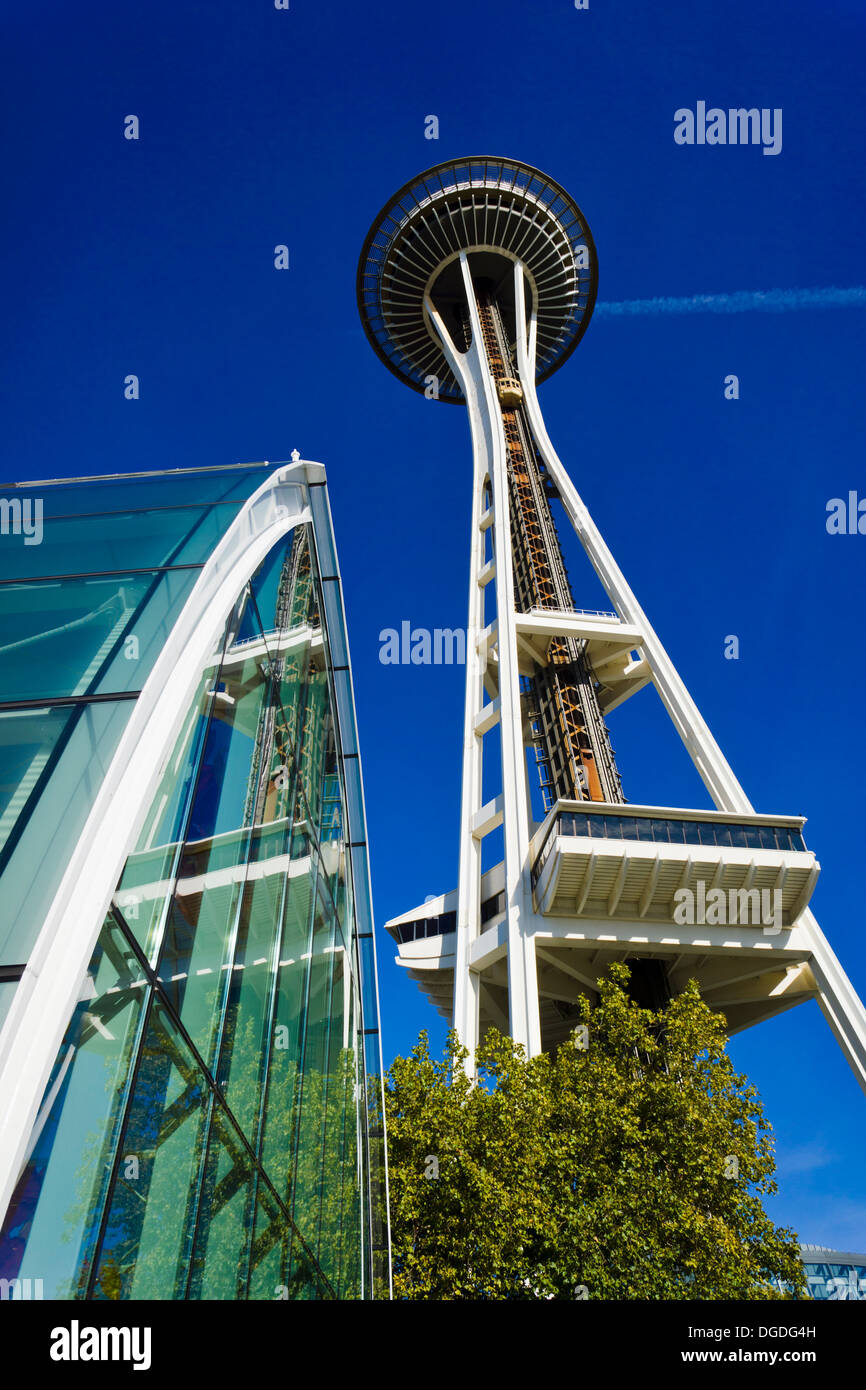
(629,1165)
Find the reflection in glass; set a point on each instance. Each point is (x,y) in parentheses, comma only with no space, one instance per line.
(129,540)
(144,1252)
(127,492)
(82,636)
(52,1222)
(68,748)
(220,1129)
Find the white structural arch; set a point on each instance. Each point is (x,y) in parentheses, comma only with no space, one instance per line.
(548,934)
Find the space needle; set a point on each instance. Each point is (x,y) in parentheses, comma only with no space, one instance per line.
(476,282)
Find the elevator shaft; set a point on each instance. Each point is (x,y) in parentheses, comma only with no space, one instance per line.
(571,741)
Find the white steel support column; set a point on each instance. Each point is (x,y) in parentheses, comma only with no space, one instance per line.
(490,460)
(466,981)
(837,997)
(840,1003)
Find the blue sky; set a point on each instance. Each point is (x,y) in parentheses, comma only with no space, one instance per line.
(261,127)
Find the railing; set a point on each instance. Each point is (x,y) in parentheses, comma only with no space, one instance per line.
(258,637)
(578,612)
(667,830)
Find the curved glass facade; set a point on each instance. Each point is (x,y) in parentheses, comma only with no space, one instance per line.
(83,616)
(205,1132)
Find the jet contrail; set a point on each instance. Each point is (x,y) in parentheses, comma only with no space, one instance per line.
(742,302)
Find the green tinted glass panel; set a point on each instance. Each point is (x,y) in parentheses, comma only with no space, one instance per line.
(340,1195)
(241,1171)
(7,994)
(309,1171)
(247,1030)
(163,490)
(270,1251)
(226,1216)
(284,1074)
(145,1249)
(128,540)
(72,747)
(77,636)
(147,882)
(53,1219)
(306,1281)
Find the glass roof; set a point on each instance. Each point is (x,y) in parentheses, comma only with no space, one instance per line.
(122,492)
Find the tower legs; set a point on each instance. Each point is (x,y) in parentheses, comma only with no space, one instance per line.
(506,959)
(491,653)
(838,1000)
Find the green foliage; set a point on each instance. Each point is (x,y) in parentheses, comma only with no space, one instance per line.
(600,1173)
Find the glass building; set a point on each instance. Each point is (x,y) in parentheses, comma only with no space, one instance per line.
(190,1056)
(837,1276)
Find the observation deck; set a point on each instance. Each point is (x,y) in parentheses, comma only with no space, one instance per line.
(498,211)
(604,881)
(629,862)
